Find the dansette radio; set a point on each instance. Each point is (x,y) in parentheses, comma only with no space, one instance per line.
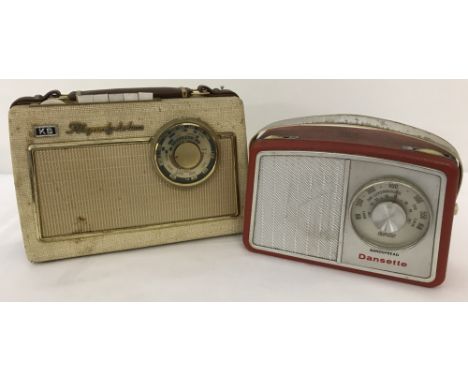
(357,193)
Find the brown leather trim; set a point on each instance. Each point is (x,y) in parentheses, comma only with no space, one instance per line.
(36,99)
(162,92)
(158,92)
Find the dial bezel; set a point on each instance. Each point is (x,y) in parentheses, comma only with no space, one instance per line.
(406,184)
(213,137)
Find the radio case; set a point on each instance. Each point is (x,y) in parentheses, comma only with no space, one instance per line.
(314,184)
(86,177)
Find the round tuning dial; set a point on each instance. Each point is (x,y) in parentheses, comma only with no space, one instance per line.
(388,217)
(186,153)
(390,213)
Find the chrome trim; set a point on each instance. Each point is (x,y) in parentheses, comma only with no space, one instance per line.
(368,122)
(343,209)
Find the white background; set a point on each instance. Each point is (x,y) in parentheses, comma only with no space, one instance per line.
(439,106)
(221,269)
(235,342)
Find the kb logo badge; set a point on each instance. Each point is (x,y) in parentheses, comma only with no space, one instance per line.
(46,131)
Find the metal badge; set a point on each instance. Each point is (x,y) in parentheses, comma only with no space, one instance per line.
(46,131)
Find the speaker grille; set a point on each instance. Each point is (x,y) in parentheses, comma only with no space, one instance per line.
(102,187)
(298,207)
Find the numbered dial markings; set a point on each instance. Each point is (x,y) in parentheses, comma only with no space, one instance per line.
(390,214)
(186,153)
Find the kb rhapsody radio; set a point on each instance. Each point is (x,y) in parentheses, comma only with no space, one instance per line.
(106,170)
(353,192)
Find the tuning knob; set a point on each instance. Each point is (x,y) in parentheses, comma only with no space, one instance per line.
(185,153)
(388,217)
(390,213)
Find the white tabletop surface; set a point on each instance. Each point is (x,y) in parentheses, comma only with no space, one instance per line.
(218,269)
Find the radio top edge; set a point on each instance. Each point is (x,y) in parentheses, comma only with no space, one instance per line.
(422,141)
(55,97)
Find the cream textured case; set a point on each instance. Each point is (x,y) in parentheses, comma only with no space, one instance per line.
(109,170)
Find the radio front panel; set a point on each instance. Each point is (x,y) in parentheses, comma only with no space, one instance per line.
(98,187)
(119,174)
(299,204)
(353,211)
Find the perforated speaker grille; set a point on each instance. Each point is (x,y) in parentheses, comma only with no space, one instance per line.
(298,204)
(102,187)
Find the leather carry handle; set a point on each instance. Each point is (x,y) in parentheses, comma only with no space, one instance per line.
(161,92)
(158,93)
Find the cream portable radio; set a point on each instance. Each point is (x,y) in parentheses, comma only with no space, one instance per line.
(107,170)
(357,193)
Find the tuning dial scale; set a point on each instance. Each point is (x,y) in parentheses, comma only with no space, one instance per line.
(186,153)
(390,213)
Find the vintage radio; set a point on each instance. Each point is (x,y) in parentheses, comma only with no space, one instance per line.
(353,192)
(108,170)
